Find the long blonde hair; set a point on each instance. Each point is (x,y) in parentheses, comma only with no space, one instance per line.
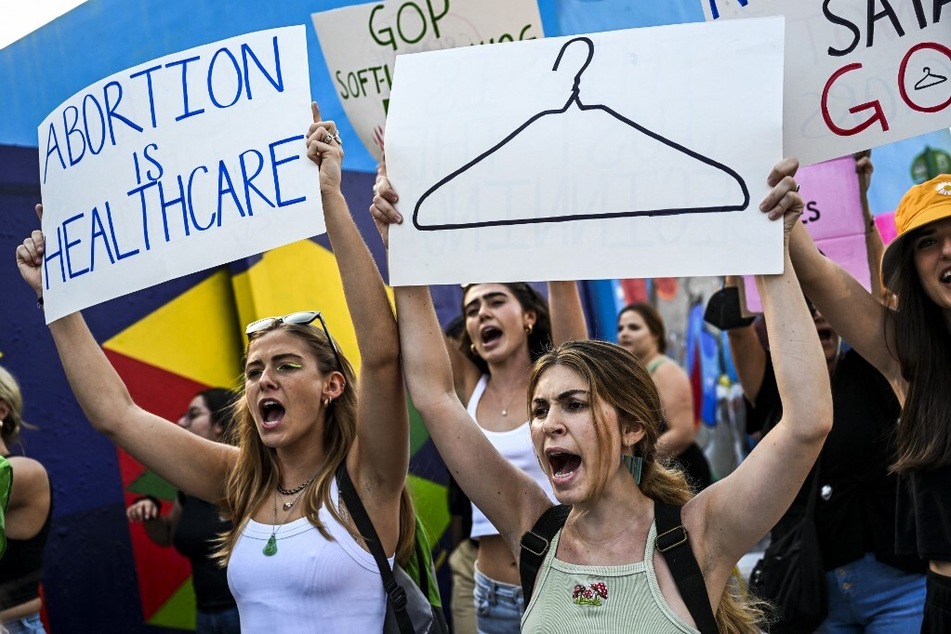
(256,472)
(618,378)
(10,393)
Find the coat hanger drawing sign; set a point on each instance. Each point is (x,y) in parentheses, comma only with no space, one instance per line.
(641,133)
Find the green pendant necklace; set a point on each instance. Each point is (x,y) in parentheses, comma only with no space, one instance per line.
(270,548)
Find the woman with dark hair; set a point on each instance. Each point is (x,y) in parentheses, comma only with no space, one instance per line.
(641,331)
(595,420)
(193,525)
(909,342)
(27,521)
(507,326)
(294,563)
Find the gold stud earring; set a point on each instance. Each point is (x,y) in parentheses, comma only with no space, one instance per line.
(529,328)
(472,348)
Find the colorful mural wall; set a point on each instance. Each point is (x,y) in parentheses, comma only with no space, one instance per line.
(170,341)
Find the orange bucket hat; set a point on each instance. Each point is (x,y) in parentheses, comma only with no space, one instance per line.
(920,205)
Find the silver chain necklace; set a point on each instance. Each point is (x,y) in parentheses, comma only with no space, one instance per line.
(270,548)
(300,487)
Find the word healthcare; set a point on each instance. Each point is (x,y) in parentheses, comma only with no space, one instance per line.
(177,147)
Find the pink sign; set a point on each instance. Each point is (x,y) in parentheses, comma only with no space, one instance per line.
(834,218)
(886,226)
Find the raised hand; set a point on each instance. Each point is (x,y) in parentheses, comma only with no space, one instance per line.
(383,208)
(142,510)
(325,148)
(783,200)
(30,257)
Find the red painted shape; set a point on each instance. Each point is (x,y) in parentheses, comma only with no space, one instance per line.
(160,571)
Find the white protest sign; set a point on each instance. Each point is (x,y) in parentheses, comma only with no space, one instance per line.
(631,153)
(360,44)
(183,163)
(860,73)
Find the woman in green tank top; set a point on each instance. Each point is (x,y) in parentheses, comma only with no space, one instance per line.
(595,421)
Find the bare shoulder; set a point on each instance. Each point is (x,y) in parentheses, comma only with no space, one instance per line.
(28,469)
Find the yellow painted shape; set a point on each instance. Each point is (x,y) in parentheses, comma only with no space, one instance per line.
(298,276)
(195,335)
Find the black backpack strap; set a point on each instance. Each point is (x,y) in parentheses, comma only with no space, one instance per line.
(674,543)
(395,595)
(535,545)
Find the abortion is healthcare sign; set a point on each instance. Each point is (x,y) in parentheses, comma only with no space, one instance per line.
(360,44)
(177,165)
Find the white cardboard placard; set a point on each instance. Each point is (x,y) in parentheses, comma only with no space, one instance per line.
(183,163)
(360,44)
(862,74)
(656,169)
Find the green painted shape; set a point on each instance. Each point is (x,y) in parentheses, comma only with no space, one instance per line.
(417,431)
(150,484)
(6,486)
(431,504)
(179,611)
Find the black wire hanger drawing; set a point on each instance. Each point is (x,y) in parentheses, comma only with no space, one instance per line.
(575,99)
(929,79)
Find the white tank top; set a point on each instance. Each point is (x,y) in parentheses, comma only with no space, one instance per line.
(310,584)
(516,447)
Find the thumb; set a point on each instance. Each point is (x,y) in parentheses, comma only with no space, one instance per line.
(315,109)
(39,212)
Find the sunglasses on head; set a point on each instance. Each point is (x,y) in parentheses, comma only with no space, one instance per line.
(301,318)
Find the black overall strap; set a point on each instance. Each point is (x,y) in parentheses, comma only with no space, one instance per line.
(394,593)
(535,545)
(672,540)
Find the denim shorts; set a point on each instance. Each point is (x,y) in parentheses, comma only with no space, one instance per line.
(867,595)
(499,606)
(30,624)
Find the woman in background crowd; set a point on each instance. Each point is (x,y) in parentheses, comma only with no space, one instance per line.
(193,525)
(640,331)
(27,521)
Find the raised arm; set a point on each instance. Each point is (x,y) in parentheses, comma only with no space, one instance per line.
(567,315)
(851,310)
(380,458)
(193,464)
(509,498)
(737,511)
(749,358)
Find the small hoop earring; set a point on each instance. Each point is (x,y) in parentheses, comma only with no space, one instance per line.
(328,402)
(472,348)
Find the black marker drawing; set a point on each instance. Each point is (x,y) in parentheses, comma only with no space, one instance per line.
(727,179)
(930,79)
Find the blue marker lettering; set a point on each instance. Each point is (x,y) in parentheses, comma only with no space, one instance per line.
(148,81)
(98,230)
(70,245)
(111,110)
(185,111)
(277,163)
(247,53)
(237,74)
(247,180)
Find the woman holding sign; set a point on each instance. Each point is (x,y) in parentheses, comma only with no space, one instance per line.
(294,564)
(595,419)
(507,327)
(909,342)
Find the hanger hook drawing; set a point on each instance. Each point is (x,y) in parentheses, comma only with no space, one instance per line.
(576,89)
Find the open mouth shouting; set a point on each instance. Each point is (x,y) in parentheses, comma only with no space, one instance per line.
(945,277)
(562,465)
(272,412)
(490,336)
